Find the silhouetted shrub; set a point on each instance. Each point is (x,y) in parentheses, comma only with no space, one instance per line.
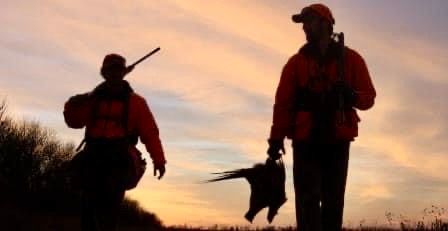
(31,159)
(34,178)
(131,213)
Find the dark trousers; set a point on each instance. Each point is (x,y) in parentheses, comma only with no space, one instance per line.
(320,175)
(100,209)
(103,188)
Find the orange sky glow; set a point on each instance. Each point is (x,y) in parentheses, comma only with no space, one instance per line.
(211,89)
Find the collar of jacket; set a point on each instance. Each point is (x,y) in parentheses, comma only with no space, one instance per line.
(311,51)
(113,90)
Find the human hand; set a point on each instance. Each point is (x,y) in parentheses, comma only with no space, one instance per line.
(161,169)
(275,146)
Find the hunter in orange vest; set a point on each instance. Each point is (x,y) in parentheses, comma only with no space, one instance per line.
(316,109)
(114,117)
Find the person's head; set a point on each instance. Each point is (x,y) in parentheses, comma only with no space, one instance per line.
(114,67)
(317,22)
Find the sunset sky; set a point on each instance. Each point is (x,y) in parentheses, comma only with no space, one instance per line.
(211,89)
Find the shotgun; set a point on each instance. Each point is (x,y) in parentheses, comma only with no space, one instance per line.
(341,74)
(131,67)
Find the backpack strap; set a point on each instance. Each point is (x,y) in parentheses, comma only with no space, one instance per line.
(130,136)
(93,118)
(103,94)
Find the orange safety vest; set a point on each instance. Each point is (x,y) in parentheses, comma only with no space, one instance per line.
(140,121)
(304,68)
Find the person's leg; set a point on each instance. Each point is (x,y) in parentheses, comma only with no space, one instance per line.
(89,199)
(108,206)
(306,168)
(113,209)
(334,180)
(89,220)
(86,215)
(107,179)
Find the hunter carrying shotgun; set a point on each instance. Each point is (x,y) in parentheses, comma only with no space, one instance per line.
(114,117)
(315,106)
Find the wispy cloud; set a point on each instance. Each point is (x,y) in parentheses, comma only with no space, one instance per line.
(212,85)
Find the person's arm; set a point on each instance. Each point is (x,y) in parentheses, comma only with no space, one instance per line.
(283,113)
(77,110)
(149,133)
(362,84)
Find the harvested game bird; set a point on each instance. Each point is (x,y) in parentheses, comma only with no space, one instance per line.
(267,185)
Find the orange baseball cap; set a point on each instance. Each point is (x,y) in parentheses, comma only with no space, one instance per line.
(318,8)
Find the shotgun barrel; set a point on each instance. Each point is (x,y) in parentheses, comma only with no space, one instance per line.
(144,57)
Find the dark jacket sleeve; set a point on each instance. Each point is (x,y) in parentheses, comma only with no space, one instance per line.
(77,110)
(149,133)
(283,113)
(362,83)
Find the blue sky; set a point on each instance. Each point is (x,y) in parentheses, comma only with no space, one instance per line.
(212,87)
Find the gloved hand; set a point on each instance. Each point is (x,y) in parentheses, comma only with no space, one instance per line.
(348,94)
(161,169)
(275,146)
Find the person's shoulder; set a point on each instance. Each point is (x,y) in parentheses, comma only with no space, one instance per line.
(353,54)
(294,58)
(137,98)
(304,50)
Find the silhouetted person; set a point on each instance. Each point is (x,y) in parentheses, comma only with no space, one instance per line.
(114,117)
(308,110)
